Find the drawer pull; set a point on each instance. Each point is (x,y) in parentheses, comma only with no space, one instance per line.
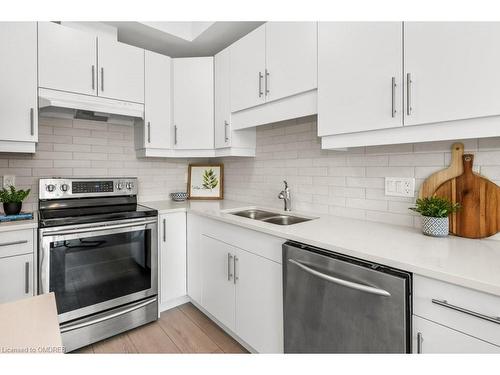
(13,243)
(444,303)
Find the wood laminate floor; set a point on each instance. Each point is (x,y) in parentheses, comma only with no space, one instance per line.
(183,329)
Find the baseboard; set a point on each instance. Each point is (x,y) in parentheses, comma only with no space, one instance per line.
(174,303)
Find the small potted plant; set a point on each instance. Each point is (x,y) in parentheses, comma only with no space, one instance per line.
(12,200)
(435,212)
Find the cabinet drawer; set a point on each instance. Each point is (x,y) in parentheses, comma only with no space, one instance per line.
(16,243)
(462,309)
(435,338)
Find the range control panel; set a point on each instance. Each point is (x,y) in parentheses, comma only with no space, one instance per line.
(61,188)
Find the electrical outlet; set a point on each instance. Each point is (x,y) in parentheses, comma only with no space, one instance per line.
(400,186)
(9,180)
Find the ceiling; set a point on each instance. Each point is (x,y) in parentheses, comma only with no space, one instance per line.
(183,39)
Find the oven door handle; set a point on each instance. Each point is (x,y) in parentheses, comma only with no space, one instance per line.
(72,326)
(135,225)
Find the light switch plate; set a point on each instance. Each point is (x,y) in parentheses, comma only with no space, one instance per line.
(9,180)
(400,186)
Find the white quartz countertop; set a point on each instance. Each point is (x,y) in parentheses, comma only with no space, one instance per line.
(20,224)
(470,263)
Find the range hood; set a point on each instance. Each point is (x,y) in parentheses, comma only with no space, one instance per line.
(86,106)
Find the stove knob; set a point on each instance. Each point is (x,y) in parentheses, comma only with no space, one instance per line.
(50,188)
(64,187)
(129,185)
(119,186)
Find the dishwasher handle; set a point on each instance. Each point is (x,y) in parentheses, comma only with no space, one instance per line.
(336,280)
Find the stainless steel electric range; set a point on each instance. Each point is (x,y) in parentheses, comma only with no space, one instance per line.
(98,252)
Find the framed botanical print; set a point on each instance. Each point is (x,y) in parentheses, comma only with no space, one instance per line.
(206,181)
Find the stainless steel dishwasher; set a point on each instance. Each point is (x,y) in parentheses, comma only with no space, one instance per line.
(338,304)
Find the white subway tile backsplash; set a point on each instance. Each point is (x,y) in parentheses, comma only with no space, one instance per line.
(353,184)
(86,148)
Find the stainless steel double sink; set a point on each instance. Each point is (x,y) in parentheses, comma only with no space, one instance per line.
(271,217)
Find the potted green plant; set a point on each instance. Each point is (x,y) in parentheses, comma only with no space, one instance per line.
(12,200)
(435,212)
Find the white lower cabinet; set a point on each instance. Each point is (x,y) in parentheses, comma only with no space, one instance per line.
(453,319)
(259,302)
(172,259)
(233,273)
(217,293)
(430,337)
(17,259)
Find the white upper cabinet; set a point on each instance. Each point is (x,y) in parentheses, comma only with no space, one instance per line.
(67,59)
(121,71)
(157,106)
(193,103)
(291,59)
(454,70)
(222,99)
(360,73)
(248,67)
(18,83)
(276,60)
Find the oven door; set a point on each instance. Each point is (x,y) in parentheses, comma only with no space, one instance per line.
(92,268)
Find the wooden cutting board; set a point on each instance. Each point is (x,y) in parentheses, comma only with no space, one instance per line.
(480,201)
(455,169)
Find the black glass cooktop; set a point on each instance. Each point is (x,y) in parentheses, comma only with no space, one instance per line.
(51,217)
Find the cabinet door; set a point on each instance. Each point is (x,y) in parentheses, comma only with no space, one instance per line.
(193,92)
(173,256)
(259,302)
(121,71)
(248,65)
(453,67)
(67,59)
(291,58)
(217,295)
(435,338)
(359,76)
(18,82)
(16,277)
(157,106)
(222,99)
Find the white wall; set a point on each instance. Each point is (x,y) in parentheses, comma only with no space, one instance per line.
(345,183)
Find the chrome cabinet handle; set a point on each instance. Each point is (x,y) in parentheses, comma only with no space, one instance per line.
(336,280)
(226,137)
(444,303)
(26,277)
(175,134)
(393,97)
(93,77)
(420,340)
(164,230)
(102,79)
(229,274)
(409,82)
(260,84)
(266,83)
(149,132)
(235,260)
(13,243)
(72,326)
(32,121)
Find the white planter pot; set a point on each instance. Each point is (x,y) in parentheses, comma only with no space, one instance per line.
(435,226)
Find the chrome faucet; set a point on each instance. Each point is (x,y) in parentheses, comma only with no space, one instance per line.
(285,195)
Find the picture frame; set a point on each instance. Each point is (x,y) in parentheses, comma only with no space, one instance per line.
(205,181)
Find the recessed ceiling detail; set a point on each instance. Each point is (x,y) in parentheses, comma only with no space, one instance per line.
(183,39)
